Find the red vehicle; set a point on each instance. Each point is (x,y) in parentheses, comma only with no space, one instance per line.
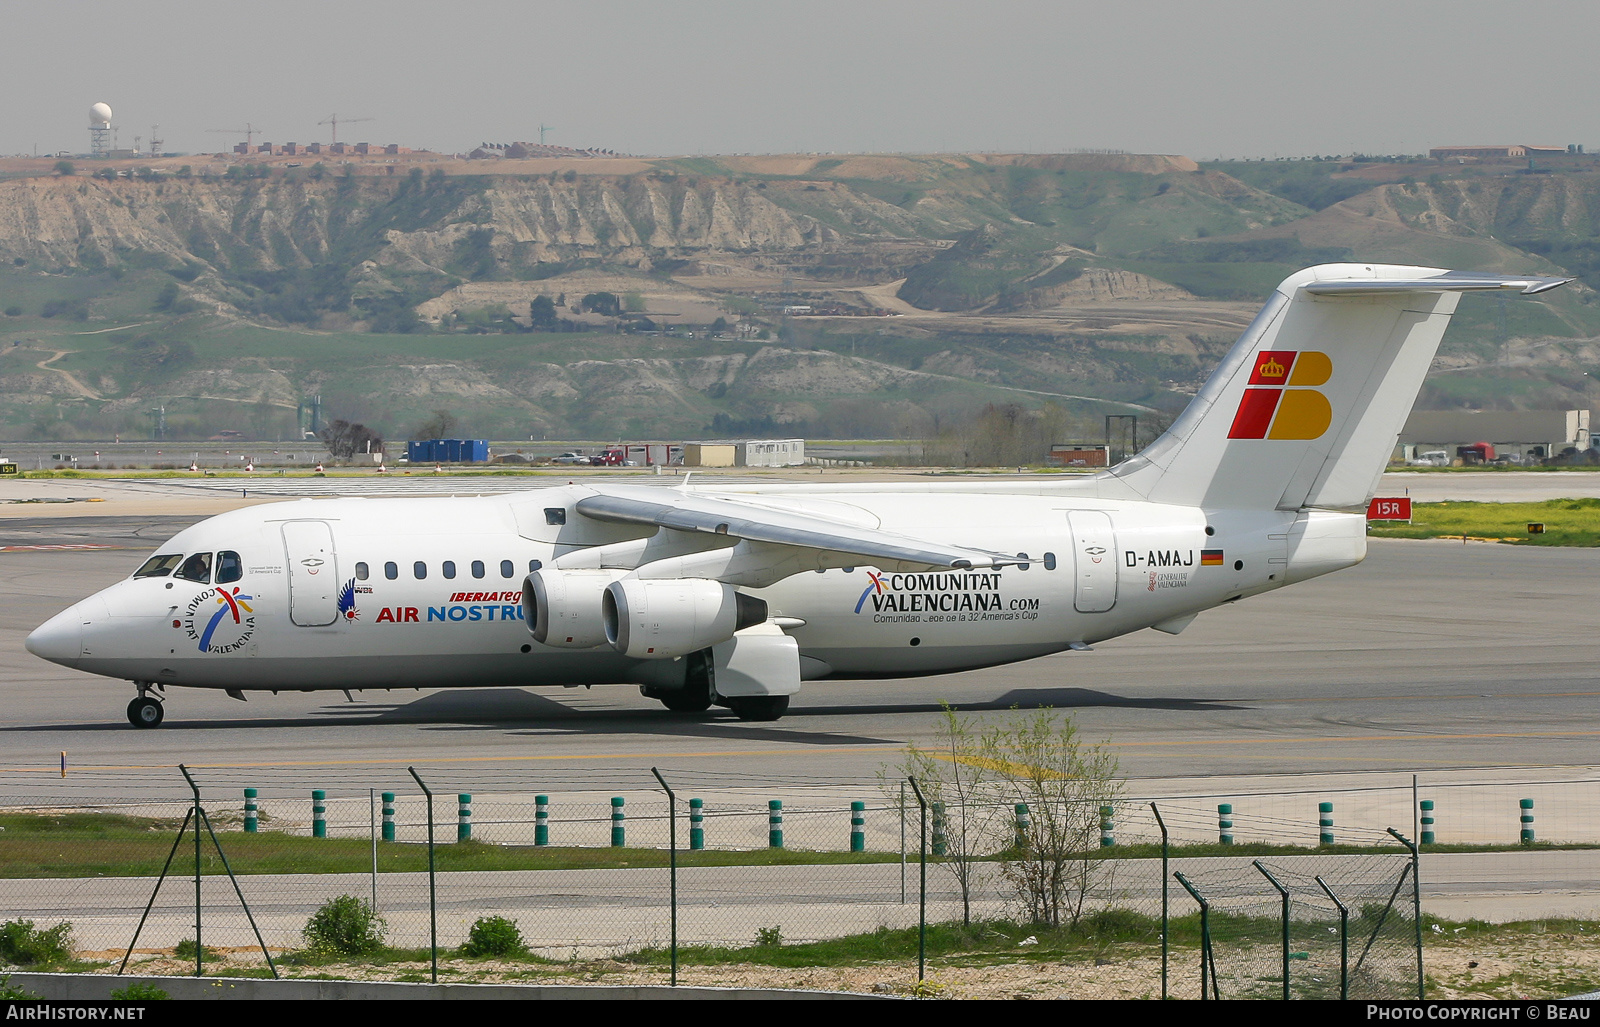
(612,456)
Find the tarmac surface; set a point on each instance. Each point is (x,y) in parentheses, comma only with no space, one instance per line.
(1475,666)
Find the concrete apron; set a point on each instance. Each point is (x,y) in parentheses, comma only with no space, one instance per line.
(98,988)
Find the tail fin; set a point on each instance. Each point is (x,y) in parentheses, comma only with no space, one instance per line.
(1307,406)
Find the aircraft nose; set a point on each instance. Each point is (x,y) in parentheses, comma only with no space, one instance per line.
(59,639)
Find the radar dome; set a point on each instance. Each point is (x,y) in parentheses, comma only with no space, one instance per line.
(100,114)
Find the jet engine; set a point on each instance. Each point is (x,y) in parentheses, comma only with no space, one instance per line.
(660,619)
(563,608)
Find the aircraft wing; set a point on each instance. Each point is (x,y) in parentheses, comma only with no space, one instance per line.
(708,515)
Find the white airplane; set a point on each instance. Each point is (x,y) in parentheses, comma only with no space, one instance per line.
(734,594)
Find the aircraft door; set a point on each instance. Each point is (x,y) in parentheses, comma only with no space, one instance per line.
(1094,553)
(313,573)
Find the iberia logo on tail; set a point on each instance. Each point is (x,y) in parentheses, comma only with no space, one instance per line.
(1281,401)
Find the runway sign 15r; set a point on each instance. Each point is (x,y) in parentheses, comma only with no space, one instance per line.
(1390,509)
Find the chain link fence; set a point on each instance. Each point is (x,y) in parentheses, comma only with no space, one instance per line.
(1159,905)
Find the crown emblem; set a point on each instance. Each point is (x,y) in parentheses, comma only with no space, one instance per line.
(1271,369)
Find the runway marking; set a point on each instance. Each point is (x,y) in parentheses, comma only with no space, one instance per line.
(59,545)
(1279,740)
(463,759)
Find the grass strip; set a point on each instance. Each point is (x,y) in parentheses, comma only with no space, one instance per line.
(1567,522)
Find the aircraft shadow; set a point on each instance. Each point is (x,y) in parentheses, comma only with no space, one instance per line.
(534,715)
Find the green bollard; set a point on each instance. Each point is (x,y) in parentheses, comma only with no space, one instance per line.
(1527,821)
(775,823)
(541,820)
(251,820)
(388,816)
(697,823)
(1224,823)
(1325,823)
(319,814)
(858,827)
(1108,837)
(1020,841)
(1427,821)
(619,826)
(941,844)
(464,817)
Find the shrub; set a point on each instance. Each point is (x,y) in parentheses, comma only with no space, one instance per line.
(23,943)
(493,936)
(140,991)
(345,926)
(11,993)
(185,950)
(13,311)
(769,937)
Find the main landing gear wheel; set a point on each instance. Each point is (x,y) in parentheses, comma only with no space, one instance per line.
(758,707)
(681,702)
(145,712)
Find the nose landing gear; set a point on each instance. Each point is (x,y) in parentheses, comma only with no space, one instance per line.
(145,710)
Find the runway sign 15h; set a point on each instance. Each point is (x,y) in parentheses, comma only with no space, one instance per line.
(1390,509)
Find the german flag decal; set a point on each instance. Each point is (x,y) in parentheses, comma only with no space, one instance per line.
(1281,401)
(1211,558)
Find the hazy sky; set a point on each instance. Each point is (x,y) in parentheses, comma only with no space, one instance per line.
(1207,79)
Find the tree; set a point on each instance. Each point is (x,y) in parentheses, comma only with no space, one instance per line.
(603,303)
(542,312)
(1042,763)
(65,168)
(441,424)
(344,440)
(950,774)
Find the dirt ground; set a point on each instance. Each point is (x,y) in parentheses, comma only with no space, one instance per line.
(1511,967)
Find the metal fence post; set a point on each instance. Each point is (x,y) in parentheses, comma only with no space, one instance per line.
(902,844)
(1207,960)
(672,835)
(1284,894)
(199,949)
(1416,904)
(1166,922)
(922,865)
(372,833)
(433,890)
(1344,940)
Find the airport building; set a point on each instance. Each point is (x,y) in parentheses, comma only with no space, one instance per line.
(1435,437)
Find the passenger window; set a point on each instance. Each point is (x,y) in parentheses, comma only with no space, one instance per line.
(196,568)
(555,515)
(229,567)
(448,569)
(361,572)
(1049,561)
(391,570)
(1022,566)
(419,569)
(507,569)
(534,565)
(159,566)
(477,568)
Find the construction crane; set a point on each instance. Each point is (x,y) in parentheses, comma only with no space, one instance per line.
(156,142)
(542,130)
(249,132)
(333,119)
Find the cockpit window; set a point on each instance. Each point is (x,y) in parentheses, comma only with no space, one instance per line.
(196,568)
(229,567)
(158,566)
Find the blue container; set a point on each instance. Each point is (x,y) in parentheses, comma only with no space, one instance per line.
(419,452)
(475,451)
(447,450)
